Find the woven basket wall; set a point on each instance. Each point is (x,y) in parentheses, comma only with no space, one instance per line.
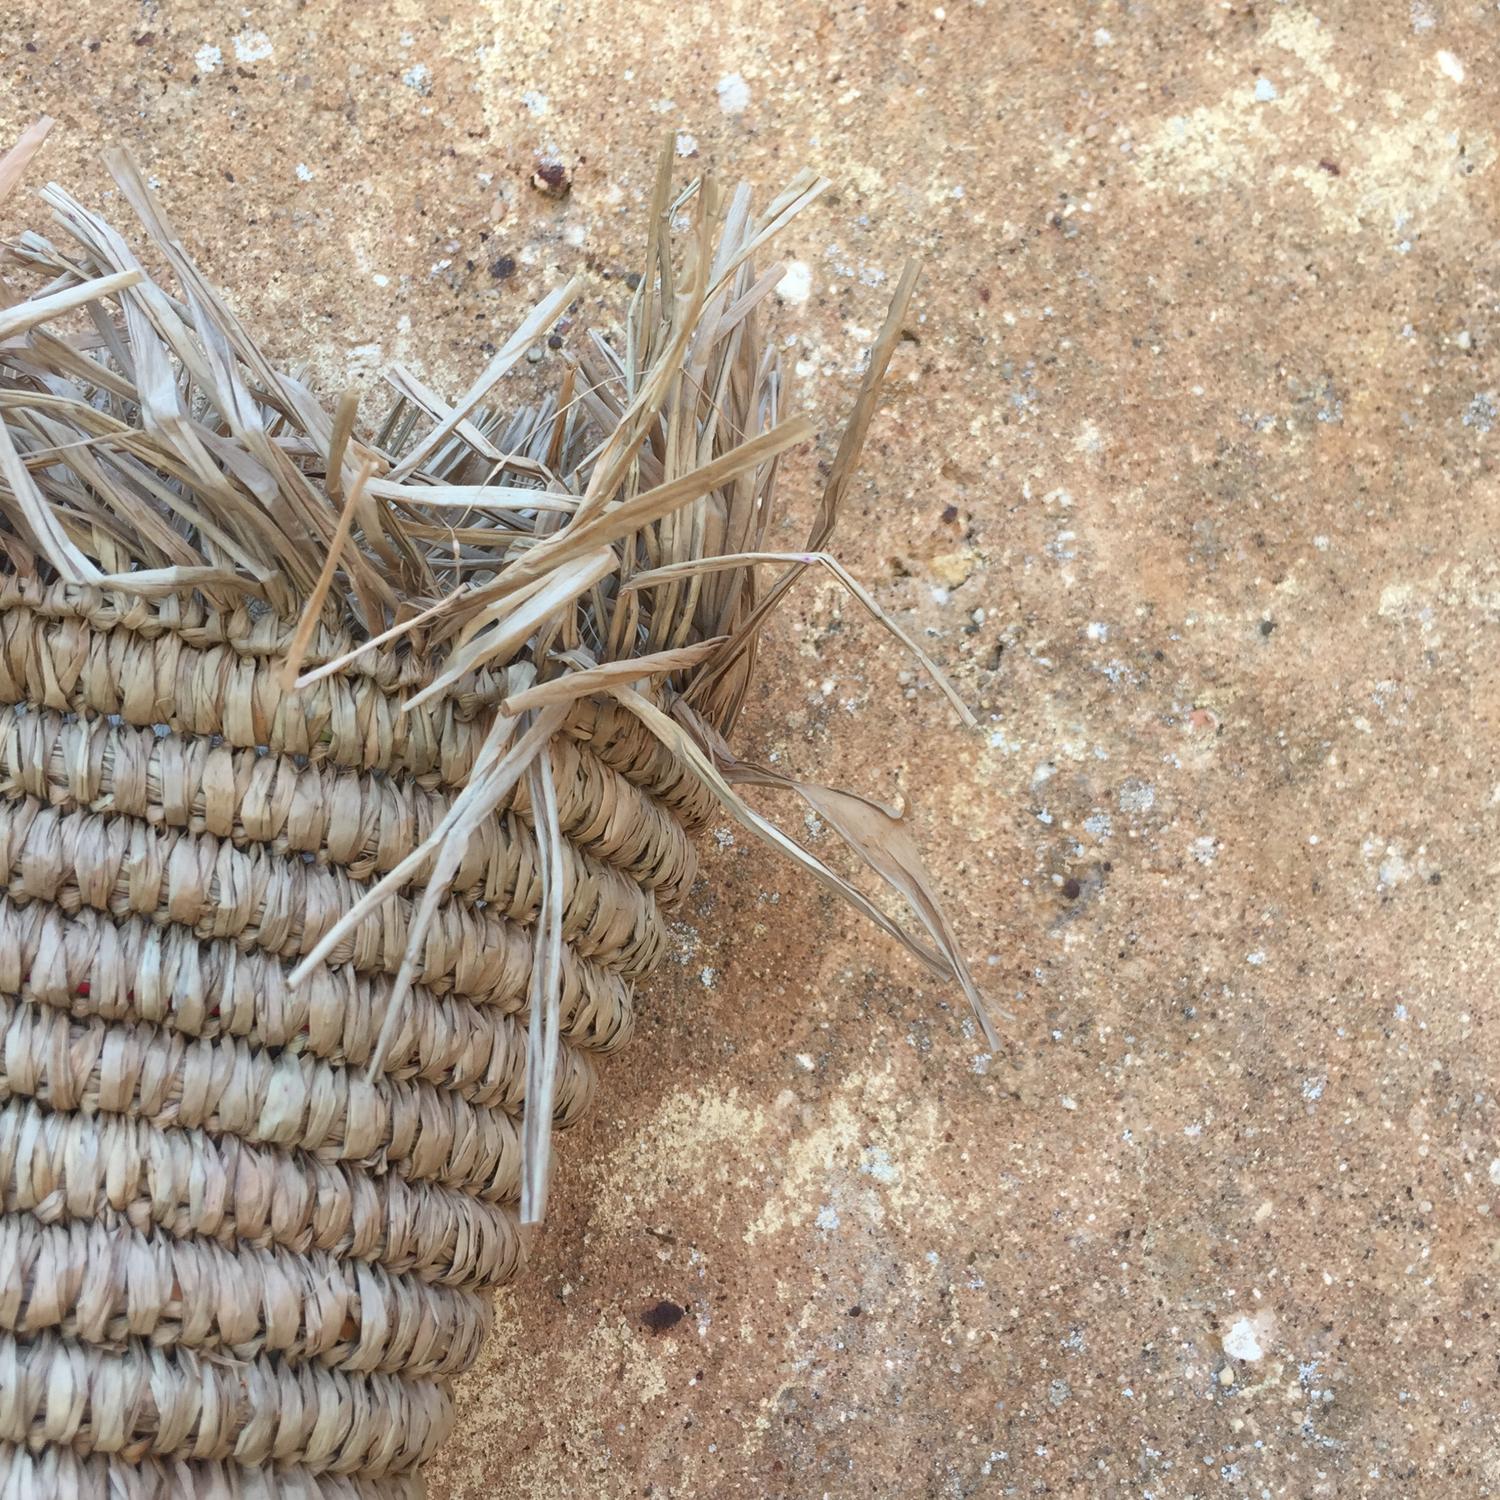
(231,1262)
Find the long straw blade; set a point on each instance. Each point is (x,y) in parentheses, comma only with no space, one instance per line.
(14,163)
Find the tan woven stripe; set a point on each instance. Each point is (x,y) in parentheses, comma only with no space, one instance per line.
(284,904)
(609,815)
(135,969)
(363,821)
(615,735)
(225,1086)
(148,1400)
(451,1044)
(63,664)
(348,720)
(103,1286)
(105,1476)
(264,638)
(256,633)
(79,1167)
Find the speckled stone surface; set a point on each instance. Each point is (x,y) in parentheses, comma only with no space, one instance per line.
(1189,477)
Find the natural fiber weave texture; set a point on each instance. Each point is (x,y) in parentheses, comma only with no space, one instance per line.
(345,776)
(223,1244)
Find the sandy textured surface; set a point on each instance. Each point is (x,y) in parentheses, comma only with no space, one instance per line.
(1189,478)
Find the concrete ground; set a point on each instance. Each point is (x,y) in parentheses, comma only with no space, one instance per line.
(1189,478)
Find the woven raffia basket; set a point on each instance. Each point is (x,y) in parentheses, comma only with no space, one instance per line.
(344,781)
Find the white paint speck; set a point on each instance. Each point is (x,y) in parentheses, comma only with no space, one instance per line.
(534,101)
(709,977)
(877,1163)
(252,46)
(1495,1171)
(804,1060)
(304,172)
(1243,1341)
(734,94)
(796,284)
(381,279)
(687,143)
(1068,1102)
(1256,959)
(1265,91)
(828,1217)
(1098,631)
(418,77)
(1312,1088)
(1451,66)
(1102,38)
(208,58)
(1137,797)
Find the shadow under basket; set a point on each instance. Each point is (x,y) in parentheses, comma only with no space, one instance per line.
(230,1259)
